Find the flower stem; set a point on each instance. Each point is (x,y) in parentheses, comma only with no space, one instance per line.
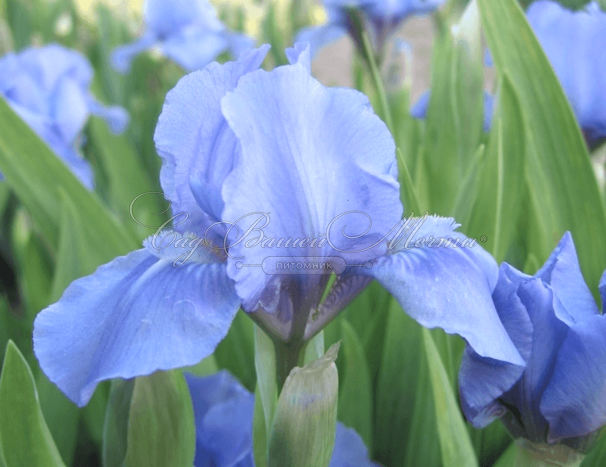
(545,455)
(287,357)
(377,80)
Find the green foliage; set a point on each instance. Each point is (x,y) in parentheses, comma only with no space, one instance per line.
(303,433)
(25,439)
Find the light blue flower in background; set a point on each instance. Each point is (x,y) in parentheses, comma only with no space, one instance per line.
(236,140)
(559,394)
(187,31)
(49,88)
(419,109)
(382,18)
(223,411)
(574,43)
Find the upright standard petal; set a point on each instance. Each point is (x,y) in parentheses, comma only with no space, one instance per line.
(442,279)
(194,48)
(197,147)
(135,315)
(316,163)
(563,273)
(320,36)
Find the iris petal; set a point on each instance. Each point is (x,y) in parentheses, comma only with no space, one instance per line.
(133,316)
(574,402)
(563,273)
(448,287)
(197,146)
(309,155)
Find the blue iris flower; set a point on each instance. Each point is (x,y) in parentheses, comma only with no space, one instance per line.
(419,109)
(187,31)
(558,395)
(223,411)
(299,164)
(49,88)
(574,43)
(382,18)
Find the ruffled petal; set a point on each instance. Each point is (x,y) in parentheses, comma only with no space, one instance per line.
(196,144)
(447,286)
(563,273)
(300,53)
(574,402)
(133,316)
(324,160)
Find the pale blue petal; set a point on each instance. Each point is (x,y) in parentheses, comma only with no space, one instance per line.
(69,109)
(122,57)
(299,53)
(482,381)
(419,109)
(309,155)
(196,144)
(563,273)
(448,287)
(46,129)
(321,36)
(116,117)
(223,411)
(574,402)
(349,449)
(133,316)
(573,42)
(238,43)
(194,48)
(167,17)
(53,62)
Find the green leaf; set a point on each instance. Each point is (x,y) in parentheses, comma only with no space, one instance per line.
(455,445)
(161,428)
(563,188)
(127,179)
(455,115)
(260,441)
(236,352)
(24,436)
(61,415)
(305,422)
(499,197)
(115,431)
(267,386)
(38,177)
(314,348)
(404,432)
(355,398)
